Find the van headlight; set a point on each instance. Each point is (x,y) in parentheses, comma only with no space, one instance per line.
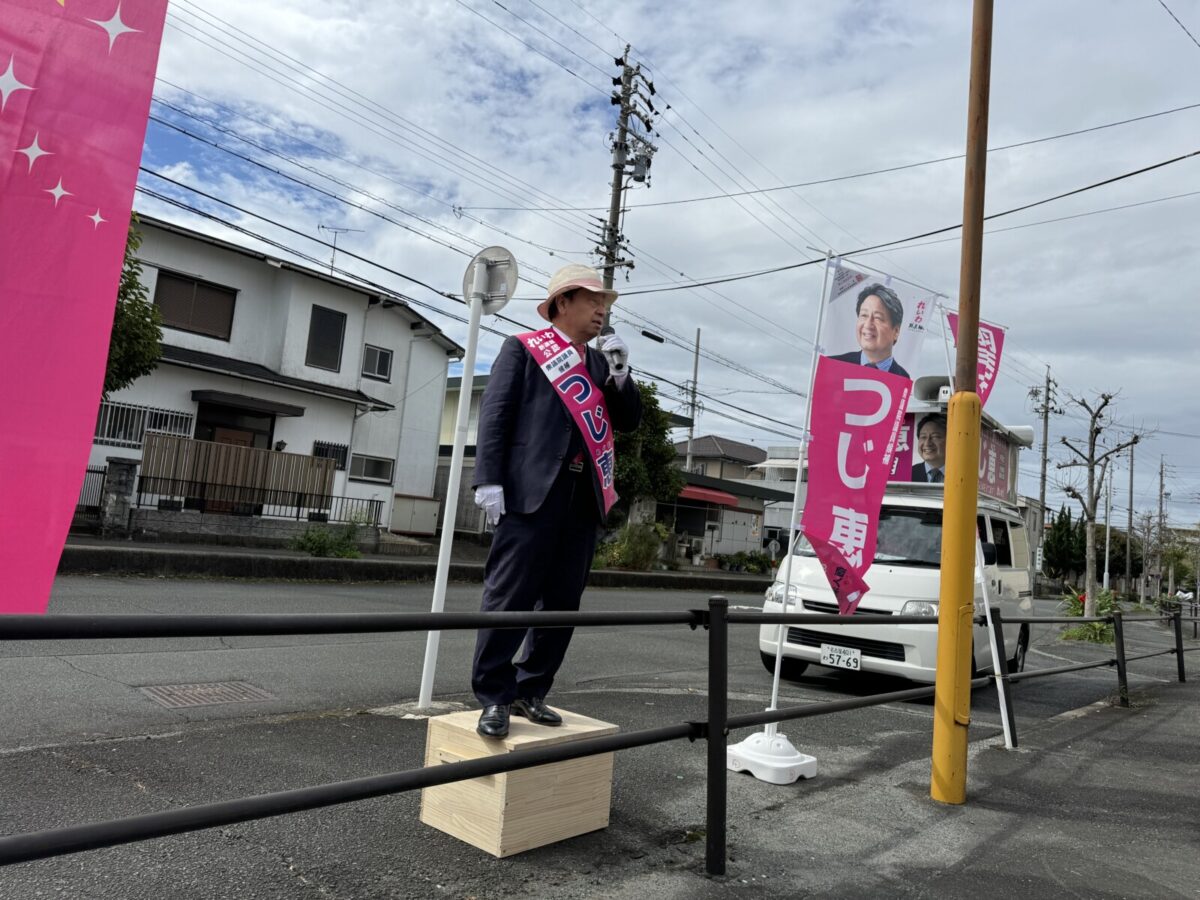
(919,608)
(775,593)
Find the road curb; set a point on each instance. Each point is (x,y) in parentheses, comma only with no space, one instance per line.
(118,560)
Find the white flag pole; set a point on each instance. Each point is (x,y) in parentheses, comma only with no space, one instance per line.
(997,662)
(770,756)
(946,344)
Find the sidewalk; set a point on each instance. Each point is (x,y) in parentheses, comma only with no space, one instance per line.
(86,555)
(1098,802)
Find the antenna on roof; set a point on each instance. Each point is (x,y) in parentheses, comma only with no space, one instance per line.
(335,230)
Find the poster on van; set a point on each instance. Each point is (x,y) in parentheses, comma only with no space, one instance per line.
(874,320)
(920,455)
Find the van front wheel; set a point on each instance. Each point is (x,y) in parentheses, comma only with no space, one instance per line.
(791,669)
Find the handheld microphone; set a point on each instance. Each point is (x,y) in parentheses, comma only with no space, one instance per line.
(607,329)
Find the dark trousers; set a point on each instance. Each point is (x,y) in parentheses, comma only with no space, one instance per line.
(538,561)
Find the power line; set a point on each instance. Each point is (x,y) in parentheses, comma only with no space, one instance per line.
(880,171)
(917,237)
(376,286)
(1177,22)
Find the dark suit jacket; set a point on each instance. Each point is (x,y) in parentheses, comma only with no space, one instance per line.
(525,430)
(921,472)
(854,356)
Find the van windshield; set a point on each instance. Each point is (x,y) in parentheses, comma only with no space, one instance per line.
(907,537)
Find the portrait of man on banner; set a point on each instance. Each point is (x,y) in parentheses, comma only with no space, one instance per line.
(875,321)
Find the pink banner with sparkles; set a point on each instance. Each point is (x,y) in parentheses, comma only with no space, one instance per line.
(991,345)
(75,86)
(857,414)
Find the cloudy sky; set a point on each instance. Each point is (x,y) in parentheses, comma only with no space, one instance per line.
(437,127)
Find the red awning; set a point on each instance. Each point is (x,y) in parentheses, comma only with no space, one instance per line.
(708,495)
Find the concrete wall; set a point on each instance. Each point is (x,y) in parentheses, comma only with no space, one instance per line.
(189,526)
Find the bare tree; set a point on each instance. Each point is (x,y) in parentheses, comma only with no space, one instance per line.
(1094,458)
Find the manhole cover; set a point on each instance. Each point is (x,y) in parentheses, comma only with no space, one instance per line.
(174,696)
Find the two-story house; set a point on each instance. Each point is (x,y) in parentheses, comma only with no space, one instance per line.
(289,364)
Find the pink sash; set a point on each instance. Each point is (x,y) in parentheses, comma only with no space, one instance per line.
(564,366)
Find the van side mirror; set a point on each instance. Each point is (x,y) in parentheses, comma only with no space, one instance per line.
(989,554)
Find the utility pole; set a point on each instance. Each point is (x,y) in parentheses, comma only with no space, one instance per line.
(632,153)
(1158,554)
(1107,529)
(1129,529)
(1045,396)
(952,689)
(687,466)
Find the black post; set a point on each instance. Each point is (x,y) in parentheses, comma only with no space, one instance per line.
(1122,680)
(718,712)
(1177,620)
(1001,656)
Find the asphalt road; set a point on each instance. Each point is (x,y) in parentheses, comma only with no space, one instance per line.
(82,743)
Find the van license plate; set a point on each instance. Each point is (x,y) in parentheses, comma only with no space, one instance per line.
(841,657)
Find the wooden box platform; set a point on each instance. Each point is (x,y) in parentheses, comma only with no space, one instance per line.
(517,811)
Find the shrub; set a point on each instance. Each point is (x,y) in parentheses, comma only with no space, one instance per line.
(1092,632)
(635,547)
(339,543)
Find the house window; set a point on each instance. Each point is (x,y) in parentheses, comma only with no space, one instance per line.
(189,304)
(126,424)
(377,363)
(326,329)
(336,452)
(371,468)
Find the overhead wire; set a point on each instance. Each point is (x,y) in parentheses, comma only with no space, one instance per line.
(367,282)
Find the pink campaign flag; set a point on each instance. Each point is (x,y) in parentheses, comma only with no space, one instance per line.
(991,344)
(856,418)
(75,84)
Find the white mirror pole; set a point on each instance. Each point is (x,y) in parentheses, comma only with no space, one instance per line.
(476,299)
(997,662)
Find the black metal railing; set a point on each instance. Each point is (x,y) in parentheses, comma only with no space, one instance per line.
(715,730)
(91,494)
(239,500)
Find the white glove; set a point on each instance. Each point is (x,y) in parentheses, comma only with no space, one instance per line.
(490,498)
(616,351)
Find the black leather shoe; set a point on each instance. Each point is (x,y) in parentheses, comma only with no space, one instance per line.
(493,721)
(535,710)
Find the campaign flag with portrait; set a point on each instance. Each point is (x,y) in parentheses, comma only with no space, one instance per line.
(874,320)
(991,346)
(76,79)
(855,421)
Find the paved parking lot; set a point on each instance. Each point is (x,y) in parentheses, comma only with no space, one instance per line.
(83,743)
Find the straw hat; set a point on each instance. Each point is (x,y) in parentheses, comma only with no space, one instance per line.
(574,276)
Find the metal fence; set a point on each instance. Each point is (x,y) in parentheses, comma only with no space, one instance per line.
(714,730)
(91,494)
(239,500)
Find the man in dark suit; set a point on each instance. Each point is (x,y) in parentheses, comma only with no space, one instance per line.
(931,445)
(880,314)
(542,492)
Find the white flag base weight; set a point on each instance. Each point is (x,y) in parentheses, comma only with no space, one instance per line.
(770,758)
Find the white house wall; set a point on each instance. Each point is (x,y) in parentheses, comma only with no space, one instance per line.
(420,415)
(259,313)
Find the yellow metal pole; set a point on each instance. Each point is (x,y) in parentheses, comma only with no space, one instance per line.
(952,697)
